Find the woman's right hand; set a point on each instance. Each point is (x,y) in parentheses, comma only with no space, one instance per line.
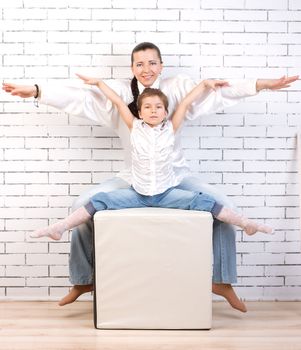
(23,91)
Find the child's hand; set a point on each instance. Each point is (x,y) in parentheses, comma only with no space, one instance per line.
(89,80)
(214,84)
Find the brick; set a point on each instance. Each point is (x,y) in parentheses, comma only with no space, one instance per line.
(23,13)
(47,259)
(12,282)
(262,281)
(284,15)
(226,4)
(237,61)
(112,37)
(90,4)
(46,281)
(135,25)
(282,293)
(294,5)
(25,178)
(27,293)
(26,248)
(244,154)
(246,15)
(263,259)
(267,4)
(202,14)
(24,271)
(265,189)
(222,26)
(245,38)
(67,178)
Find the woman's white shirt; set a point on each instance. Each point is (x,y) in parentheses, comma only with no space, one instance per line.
(91,103)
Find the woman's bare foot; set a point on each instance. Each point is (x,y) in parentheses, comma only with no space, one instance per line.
(75,292)
(226,291)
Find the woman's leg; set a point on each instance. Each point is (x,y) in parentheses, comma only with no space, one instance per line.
(224,245)
(80,260)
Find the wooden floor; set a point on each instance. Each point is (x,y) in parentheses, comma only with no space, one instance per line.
(46,326)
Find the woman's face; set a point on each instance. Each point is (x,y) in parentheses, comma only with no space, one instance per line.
(146,66)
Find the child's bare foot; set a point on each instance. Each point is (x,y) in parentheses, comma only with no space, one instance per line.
(75,292)
(54,231)
(226,291)
(250,227)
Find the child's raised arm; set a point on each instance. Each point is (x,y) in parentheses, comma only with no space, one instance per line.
(123,109)
(181,110)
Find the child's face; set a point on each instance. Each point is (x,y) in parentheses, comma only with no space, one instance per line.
(152,111)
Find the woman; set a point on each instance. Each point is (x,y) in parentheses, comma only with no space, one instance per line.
(92,104)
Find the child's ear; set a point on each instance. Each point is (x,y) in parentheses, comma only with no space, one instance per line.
(139,115)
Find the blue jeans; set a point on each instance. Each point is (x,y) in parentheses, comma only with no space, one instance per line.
(224,248)
(172,198)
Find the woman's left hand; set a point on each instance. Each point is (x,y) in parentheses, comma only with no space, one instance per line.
(275,84)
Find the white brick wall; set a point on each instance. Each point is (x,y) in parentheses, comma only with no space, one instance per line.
(48,158)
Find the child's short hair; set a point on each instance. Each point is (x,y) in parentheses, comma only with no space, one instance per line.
(148,92)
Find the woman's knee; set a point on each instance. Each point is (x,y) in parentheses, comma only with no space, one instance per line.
(193,183)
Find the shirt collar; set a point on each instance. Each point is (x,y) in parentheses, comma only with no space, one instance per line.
(157,127)
(155,85)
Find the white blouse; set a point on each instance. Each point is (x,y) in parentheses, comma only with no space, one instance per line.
(91,103)
(152,164)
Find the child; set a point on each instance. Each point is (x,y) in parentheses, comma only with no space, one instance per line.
(153,179)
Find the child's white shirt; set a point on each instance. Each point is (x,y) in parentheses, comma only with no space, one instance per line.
(152,157)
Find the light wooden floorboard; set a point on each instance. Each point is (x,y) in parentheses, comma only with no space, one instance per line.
(46,326)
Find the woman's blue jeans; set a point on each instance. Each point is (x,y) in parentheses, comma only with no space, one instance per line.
(224,248)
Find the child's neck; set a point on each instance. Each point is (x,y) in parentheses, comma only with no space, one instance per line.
(152,125)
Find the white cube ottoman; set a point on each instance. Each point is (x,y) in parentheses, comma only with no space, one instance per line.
(153,269)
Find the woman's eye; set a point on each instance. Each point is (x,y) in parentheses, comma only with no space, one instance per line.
(138,65)
(153,63)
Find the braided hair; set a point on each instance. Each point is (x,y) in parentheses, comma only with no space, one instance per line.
(134,83)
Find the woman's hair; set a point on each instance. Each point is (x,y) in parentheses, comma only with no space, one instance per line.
(148,92)
(134,86)
(145,46)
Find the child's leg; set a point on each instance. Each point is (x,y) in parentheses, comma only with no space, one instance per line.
(249,226)
(119,199)
(177,198)
(56,230)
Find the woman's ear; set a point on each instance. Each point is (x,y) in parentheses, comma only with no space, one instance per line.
(161,68)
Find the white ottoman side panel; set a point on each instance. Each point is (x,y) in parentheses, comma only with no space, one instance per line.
(153,269)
